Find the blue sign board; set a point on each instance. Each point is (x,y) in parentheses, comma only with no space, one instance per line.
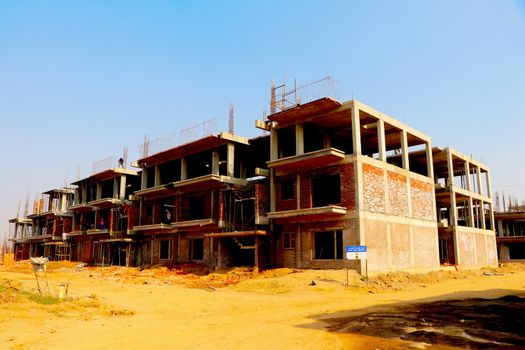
(356,248)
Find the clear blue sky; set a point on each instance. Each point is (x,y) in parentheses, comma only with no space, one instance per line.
(81,79)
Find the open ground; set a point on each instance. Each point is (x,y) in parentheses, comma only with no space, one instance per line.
(154,308)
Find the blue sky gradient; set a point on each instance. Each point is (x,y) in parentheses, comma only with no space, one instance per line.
(81,79)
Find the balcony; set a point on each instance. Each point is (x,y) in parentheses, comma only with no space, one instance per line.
(308,214)
(310,160)
(103,203)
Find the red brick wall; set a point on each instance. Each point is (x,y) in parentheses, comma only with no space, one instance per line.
(373,189)
(302,255)
(348,185)
(287,204)
(422,198)
(262,198)
(397,194)
(346,172)
(184,208)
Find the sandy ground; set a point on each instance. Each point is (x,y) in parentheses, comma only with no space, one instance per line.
(114,307)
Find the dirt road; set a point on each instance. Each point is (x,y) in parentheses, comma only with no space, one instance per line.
(154,309)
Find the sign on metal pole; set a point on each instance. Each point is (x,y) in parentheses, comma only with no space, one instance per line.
(356,252)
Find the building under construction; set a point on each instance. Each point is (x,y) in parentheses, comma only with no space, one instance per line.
(325,175)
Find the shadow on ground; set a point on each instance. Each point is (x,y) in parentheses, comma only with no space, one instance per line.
(473,323)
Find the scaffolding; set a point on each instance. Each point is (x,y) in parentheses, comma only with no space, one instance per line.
(281,99)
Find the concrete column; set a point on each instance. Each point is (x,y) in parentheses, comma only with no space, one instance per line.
(157,176)
(489,189)
(478,173)
(482,215)
(500,227)
(122,192)
(144,179)
(274,143)
(183,169)
(215,162)
(298,190)
(326,140)
(230,159)
(115,193)
(381,144)
(453,209)
(299,139)
(99,191)
(467,172)
(470,212)
(356,130)
(430,160)
(84,193)
(491,217)
(404,150)
(272,190)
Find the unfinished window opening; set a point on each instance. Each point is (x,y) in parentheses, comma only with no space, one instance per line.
(462,210)
(167,208)
(287,189)
(441,182)
(92,192)
(443,215)
(326,190)
(147,213)
(259,147)
(107,189)
(196,207)
(443,250)
(239,169)
(170,171)
(199,164)
(289,240)
(197,249)
(370,138)
(417,158)
(460,177)
(165,249)
(313,138)
(79,198)
(484,183)
(328,245)
(393,145)
(150,176)
(342,140)
(223,160)
(517,250)
(286,140)
(486,210)
(103,219)
(132,185)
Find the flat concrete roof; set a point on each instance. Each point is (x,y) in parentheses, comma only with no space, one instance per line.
(202,144)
